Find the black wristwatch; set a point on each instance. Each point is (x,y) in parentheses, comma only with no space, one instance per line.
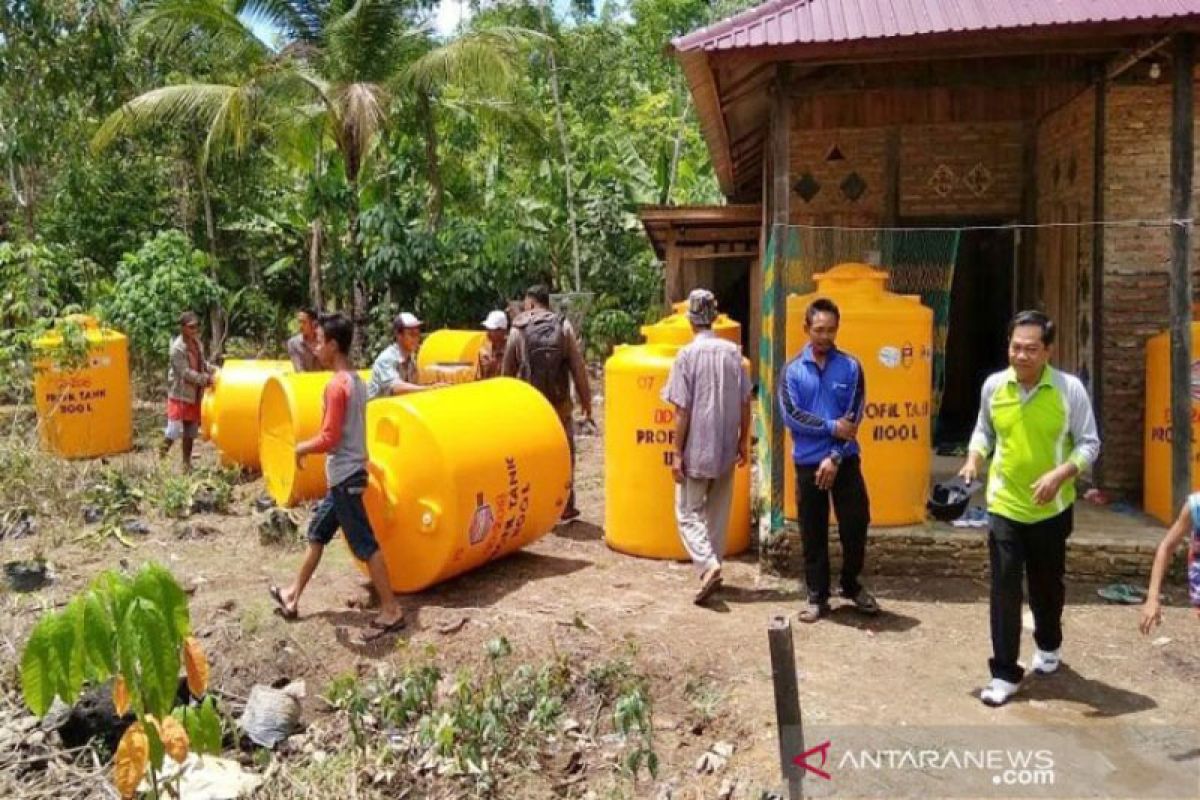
(836,458)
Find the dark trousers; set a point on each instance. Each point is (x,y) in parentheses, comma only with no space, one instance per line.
(849,494)
(1035,552)
(567,418)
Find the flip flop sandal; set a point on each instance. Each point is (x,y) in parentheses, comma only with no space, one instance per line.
(708,587)
(282,608)
(1122,593)
(377,631)
(395,626)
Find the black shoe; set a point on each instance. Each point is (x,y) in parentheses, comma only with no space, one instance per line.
(864,602)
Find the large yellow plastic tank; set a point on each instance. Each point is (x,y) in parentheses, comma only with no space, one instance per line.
(1156,490)
(87,412)
(290,412)
(462,476)
(450,347)
(639,430)
(446,373)
(675,329)
(229,409)
(892,336)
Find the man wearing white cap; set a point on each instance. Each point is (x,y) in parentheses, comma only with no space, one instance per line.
(491,355)
(395,370)
(710,390)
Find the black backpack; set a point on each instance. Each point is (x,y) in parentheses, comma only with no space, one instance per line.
(545,363)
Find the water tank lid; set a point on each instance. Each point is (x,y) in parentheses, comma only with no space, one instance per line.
(92,330)
(852,273)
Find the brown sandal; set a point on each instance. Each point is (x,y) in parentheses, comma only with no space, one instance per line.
(710,583)
(285,612)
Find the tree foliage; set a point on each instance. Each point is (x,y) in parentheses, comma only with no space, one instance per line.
(166,276)
(165,157)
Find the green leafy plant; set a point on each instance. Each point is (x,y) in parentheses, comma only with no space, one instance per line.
(114,496)
(632,710)
(212,489)
(173,496)
(632,717)
(166,276)
(135,630)
(114,493)
(21,357)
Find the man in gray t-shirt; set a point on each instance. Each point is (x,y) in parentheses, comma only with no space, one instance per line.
(710,390)
(342,438)
(302,348)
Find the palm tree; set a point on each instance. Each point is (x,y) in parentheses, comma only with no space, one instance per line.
(346,68)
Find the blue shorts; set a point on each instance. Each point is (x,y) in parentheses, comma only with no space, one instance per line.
(343,508)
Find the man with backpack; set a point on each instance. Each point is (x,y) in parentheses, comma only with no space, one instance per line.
(544,352)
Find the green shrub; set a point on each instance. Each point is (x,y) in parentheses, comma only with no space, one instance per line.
(164,278)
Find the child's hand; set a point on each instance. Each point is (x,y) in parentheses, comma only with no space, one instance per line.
(1151,616)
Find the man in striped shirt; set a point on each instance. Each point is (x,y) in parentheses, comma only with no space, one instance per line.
(710,391)
(1037,427)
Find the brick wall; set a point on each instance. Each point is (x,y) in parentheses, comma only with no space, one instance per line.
(961,170)
(1136,263)
(951,170)
(939,551)
(824,167)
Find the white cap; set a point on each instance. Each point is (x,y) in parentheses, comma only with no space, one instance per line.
(405,320)
(496,321)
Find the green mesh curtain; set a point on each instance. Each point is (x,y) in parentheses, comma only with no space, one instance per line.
(918,262)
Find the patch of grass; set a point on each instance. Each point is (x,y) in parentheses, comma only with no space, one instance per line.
(36,481)
(332,776)
(278,526)
(252,618)
(480,727)
(213,487)
(704,698)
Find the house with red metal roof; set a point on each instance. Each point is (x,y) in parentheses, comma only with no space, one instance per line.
(1022,123)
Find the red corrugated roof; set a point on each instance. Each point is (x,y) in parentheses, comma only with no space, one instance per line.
(789,22)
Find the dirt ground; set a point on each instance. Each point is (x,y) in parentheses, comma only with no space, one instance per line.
(920,663)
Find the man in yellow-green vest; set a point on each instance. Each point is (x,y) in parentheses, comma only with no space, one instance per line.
(1037,427)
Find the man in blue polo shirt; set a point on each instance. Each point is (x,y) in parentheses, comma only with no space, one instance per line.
(821,395)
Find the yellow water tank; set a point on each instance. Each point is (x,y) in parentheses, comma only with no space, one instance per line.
(892,336)
(639,433)
(1156,489)
(675,329)
(446,373)
(229,409)
(290,412)
(450,347)
(88,411)
(463,476)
